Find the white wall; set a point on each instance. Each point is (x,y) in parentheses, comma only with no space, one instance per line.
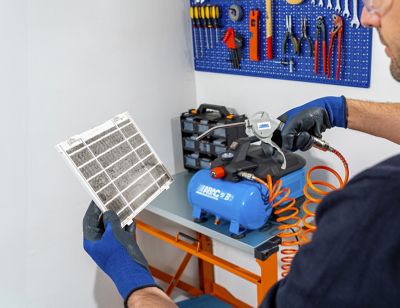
(65,67)
(69,65)
(13,98)
(249,95)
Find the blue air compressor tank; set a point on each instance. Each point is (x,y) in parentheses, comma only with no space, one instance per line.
(241,203)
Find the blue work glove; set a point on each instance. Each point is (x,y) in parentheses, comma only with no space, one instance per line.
(115,251)
(312,119)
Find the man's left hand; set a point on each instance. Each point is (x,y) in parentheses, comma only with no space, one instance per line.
(115,251)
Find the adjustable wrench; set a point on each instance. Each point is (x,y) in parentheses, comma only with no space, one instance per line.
(337,7)
(321,3)
(329,6)
(346,11)
(355,21)
(313,2)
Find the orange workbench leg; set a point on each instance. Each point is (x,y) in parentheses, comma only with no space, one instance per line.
(269,276)
(175,279)
(206,270)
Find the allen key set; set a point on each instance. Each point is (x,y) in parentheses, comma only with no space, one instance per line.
(318,41)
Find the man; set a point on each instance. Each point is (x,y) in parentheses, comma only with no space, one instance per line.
(354,257)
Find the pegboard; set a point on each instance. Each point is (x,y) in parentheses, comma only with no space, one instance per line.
(356,46)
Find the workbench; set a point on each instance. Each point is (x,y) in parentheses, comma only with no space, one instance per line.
(263,244)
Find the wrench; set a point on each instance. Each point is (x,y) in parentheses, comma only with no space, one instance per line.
(355,21)
(313,2)
(346,12)
(321,3)
(329,6)
(337,7)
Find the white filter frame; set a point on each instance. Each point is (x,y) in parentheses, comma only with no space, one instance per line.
(77,140)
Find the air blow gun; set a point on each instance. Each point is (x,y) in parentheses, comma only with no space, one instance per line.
(263,127)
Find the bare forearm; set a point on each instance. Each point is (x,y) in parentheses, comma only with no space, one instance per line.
(378,119)
(150,297)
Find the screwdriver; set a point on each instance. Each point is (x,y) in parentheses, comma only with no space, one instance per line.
(204,23)
(208,23)
(194,32)
(215,17)
(198,25)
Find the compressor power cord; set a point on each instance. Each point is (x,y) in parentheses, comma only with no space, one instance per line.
(296,231)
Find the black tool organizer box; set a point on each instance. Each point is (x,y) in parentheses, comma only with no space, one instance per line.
(356,49)
(200,154)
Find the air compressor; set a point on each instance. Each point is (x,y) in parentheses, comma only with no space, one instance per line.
(221,193)
(250,181)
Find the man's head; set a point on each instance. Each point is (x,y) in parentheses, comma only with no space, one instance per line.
(384,15)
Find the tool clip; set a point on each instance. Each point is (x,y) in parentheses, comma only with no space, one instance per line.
(262,126)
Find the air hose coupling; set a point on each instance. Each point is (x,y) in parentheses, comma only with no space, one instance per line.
(247,175)
(321,144)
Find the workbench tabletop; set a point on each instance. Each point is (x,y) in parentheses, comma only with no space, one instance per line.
(174,205)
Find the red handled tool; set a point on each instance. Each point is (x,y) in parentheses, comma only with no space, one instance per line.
(337,31)
(234,43)
(320,30)
(254,35)
(269,29)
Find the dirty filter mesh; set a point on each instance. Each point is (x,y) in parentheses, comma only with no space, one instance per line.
(118,166)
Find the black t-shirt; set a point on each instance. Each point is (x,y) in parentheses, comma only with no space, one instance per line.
(354,257)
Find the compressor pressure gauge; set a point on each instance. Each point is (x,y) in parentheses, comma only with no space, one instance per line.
(227,156)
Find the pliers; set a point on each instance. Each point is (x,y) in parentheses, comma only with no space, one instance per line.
(305,37)
(289,34)
(336,31)
(320,29)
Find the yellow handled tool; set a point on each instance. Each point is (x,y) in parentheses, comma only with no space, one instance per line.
(194,26)
(198,25)
(215,17)
(204,23)
(209,23)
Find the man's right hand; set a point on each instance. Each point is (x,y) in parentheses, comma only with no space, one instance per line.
(312,119)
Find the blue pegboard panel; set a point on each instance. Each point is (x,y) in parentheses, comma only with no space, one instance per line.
(356,46)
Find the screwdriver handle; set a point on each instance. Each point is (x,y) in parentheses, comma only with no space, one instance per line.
(203,15)
(208,16)
(192,14)
(212,11)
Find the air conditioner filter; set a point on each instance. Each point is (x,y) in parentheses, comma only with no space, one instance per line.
(118,166)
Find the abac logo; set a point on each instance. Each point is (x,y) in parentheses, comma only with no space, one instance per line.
(213,193)
(264,125)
